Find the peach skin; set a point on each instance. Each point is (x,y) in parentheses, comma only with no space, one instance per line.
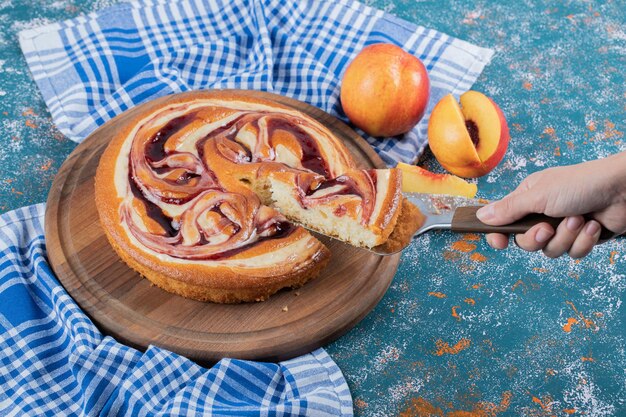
(385,90)
(420,180)
(471,139)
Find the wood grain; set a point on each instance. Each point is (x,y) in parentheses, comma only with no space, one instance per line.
(465,221)
(127,307)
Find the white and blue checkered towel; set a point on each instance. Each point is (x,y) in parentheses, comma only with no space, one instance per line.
(53,360)
(94,67)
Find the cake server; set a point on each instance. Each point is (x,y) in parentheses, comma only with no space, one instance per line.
(458,214)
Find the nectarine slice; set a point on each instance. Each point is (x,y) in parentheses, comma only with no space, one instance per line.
(471,139)
(420,180)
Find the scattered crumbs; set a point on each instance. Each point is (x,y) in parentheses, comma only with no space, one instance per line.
(449,255)
(467,268)
(437,294)
(582,394)
(516,163)
(46,166)
(443,348)
(406,388)
(610,132)
(297,293)
(545,403)
(567,327)
(587,322)
(478,257)
(360,403)
(538,161)
(525,286)
(455,314)
(471,16)
(551,132)
(15,145)
(385,356)
(285,309)
(419,407)
(463,246)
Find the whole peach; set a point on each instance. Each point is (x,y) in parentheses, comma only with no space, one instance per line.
(385,90)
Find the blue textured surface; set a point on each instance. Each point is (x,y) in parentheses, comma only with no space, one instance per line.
(463,327)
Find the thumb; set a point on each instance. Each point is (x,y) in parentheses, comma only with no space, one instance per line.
(512,207)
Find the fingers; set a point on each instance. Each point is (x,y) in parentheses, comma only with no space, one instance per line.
(572,236)
(586,240)
(498,240)
(533,240)
(566,234)
(536,238)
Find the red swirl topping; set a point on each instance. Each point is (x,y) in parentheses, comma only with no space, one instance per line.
(314,190)
(185,165)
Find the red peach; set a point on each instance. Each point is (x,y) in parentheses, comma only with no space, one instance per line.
(385,90)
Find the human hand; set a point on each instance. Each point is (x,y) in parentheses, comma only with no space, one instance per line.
(596,189)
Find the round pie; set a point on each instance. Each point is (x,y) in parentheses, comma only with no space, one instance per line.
(199,194)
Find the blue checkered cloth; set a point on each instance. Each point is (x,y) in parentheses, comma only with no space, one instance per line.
(55,362)
(94,67)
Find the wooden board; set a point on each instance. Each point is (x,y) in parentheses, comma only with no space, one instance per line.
(127,307)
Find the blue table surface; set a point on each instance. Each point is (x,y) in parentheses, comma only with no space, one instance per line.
(464,330)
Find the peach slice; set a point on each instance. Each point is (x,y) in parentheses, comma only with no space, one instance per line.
(471,139)
(420,180)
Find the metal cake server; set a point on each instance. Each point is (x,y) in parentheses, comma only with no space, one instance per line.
(458,214)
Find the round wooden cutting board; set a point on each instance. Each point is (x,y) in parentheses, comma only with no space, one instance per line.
(126,306)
